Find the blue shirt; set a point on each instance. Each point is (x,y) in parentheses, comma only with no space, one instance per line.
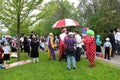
(107,44)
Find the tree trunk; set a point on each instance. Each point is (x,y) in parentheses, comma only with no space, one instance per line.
(18,32)
(18,38)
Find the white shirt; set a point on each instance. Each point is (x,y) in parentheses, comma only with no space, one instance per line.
(6,49)
(22,39)
(78,39)
(42,44)
(117,36)
(62,36)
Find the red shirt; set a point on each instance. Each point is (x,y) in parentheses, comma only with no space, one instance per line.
(90,44)
(1,51)
(86,42)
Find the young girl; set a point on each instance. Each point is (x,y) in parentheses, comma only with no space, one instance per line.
(98,45)
(1,53)
(6,50)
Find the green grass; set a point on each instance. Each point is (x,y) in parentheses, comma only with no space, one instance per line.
(54,70)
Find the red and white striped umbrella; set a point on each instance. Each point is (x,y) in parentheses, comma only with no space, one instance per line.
(65,23)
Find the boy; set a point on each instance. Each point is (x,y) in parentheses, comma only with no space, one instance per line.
(107,47)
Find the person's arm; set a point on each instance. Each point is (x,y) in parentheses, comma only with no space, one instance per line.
(81,41)
(9,48)
(2,51)
(104,45)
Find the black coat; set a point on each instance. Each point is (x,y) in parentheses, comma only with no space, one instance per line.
(112,41)
(34,49)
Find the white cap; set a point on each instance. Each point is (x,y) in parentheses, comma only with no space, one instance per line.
(107,39)
(70,33)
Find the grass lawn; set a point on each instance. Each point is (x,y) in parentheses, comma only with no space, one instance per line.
(54,70)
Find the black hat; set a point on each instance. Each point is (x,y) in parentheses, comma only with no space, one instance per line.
(111,31)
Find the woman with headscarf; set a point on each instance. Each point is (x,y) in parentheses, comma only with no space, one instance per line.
(51,47)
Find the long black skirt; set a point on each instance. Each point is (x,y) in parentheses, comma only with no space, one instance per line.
(98,48)
(1,61)
(6,57)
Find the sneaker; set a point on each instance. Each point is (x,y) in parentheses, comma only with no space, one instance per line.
(74,67)
(68,68)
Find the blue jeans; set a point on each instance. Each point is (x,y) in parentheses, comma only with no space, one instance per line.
(0,66)
(69,61)
(118,47)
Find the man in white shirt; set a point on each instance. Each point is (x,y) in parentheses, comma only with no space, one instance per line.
(117,38)
(63,35)
(78,45)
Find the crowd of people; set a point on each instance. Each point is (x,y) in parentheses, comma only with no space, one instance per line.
(70,45)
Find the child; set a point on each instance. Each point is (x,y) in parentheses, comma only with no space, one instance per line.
(98,46)
(42,44)
(107,47)
(1,53)
(6,50)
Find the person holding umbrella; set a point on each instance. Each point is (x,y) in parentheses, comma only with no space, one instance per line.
(63,35)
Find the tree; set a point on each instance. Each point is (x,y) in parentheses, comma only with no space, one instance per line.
(62,10)
(15,12)
(41,26)
(100,15)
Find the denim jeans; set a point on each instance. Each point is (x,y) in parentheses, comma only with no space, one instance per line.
(69,61)
(118,47)
(0,66)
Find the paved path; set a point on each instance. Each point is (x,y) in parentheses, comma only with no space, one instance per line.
(114,60)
